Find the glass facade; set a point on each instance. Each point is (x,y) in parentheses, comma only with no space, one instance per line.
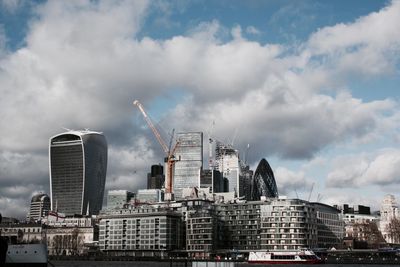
(263,183)
(78,165)
(227,162)
(187,170)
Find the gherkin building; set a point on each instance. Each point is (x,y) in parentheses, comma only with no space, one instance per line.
(263,182)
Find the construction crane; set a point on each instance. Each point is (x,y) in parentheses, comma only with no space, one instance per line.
(169,159)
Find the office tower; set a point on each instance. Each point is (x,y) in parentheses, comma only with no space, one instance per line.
(40,206)
(149,196)
(156,178)
(245,179)
(78,166)
(189,153)
(227,162)
(212,179)
(118,198)
(263,184)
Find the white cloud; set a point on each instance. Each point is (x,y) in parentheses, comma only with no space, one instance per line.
(252,30)
(362,170)
(369,46)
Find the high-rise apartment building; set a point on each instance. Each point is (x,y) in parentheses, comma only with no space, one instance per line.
(187,170)
(227,162)
(40,206)
(78,166)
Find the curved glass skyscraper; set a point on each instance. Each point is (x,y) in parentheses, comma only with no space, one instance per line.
(263,183)
(78,166)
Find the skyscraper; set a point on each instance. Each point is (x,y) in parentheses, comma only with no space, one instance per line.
(156,178)
(40,206)
(227,162)
(187,170)
(78,166)
(263,183)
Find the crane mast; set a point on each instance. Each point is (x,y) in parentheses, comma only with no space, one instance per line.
(170,158)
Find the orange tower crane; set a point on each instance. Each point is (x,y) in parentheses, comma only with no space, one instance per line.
(169,159)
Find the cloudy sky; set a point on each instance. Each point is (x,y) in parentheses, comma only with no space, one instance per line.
(312,86)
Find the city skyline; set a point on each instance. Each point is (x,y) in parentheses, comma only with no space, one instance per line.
(312,86)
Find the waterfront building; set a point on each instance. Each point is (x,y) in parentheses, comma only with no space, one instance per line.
(227,162)
(70,240)
(279,224)
(39,208)
(288,224)
(203,233)
(263,183)
(78,165)
(149,196)
(118,198)
(156,178)
(141,231)
(241,225)
(22,232)
(330,226)
(187,169)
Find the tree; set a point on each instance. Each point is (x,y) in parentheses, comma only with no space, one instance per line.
(368,232)
(393,230)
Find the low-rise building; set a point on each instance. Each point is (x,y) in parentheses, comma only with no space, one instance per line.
(22,232)
(69,240)
(144,231)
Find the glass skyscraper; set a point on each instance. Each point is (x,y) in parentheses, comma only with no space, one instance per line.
(78,166)
(227,162)
(187,170)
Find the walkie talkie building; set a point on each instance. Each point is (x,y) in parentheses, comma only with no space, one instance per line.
(78,166)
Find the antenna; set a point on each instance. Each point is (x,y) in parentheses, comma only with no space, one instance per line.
(312,187)
(246,154)
(234,137)
(296,193)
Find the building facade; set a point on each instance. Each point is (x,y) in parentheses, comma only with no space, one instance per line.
(78,166)
(187,169)
(156,178)
(263,182)
(389,213)
(39,208)
(330,226)
(118,198)
(144,231)
(227,162)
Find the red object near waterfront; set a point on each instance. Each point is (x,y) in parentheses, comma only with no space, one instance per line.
(284,257)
